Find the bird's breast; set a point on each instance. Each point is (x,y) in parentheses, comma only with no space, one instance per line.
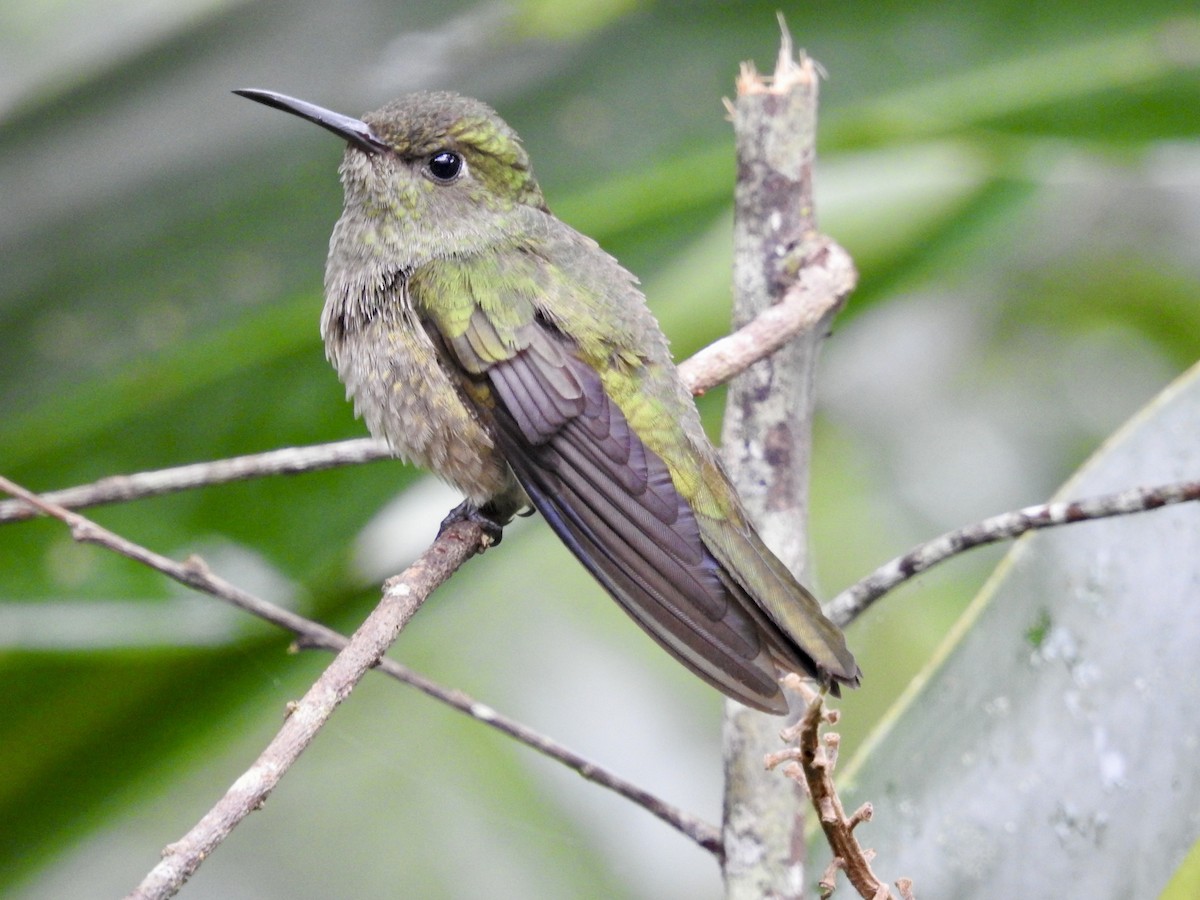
(403,391)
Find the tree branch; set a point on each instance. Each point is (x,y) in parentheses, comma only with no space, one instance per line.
(767,434)
(195,573)
(811,764)
(402,597)
(852,602)
(285,461)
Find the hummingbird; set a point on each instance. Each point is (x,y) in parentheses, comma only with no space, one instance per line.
(485,339)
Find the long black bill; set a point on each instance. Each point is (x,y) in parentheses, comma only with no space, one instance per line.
(356,131)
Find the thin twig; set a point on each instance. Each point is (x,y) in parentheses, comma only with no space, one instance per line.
(195,574)
(285,461)
(825,278)
(852,602)
(815,761)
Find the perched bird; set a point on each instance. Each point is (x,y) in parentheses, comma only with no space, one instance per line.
(492,343)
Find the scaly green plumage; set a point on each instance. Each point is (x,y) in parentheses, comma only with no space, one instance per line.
(487,340)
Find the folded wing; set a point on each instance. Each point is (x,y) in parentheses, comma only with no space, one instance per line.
(612,502)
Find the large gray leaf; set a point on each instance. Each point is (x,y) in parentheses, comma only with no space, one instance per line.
(1053,753)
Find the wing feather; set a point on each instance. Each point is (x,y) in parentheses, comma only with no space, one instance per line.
(715,651)
(613,502)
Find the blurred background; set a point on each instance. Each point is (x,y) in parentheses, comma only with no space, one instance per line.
(1019,184)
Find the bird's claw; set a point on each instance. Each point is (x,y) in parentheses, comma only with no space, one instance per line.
(467,511)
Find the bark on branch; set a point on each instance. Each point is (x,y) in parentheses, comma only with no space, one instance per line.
(811,763)
(768,434)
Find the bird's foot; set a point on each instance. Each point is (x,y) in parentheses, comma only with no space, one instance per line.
(483,516)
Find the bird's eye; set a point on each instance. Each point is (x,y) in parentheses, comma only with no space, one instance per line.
(445,166)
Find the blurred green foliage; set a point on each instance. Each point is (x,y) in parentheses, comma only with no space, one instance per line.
(1018,182)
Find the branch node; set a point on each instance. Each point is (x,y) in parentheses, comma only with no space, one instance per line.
(863,814)
(833,743)
(81,531)
(771,760)
(819,761)
(827,810)
(195,565)
(795,771)
(791,734)
(828,882)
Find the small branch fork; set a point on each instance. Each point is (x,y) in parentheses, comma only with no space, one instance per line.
(810,763)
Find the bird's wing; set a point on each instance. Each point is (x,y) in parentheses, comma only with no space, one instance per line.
(613,503)
(608,496)
(574,376)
